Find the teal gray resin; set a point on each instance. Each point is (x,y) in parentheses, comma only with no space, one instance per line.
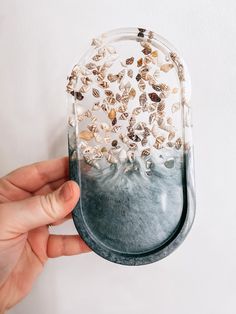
(130,213)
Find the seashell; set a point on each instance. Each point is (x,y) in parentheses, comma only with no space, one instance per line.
(145,152)
(175,107)
(156,87)
(133,146)
(161,106)
(85,80)
(130,73)
(107,139)
(169,163)
(132,93)
(124,138)
(154,97)
(97,137)
(141,85)
(137,111)
(147,50)
(147,131)
(92,128)
(114,143)
(96,42)
(129,61)
(122,108)
(77,95)
(114,121)
(115,128)
(169,120)
(104,84)
(105,107)
(122,155)
(127,86)
(112,114)
(151,80)
(171,136)
(111,100)
(112,77)
(140,126)
(95,92)
(120,75)
(151,107)
(90,66)
(140,62)
(134,137)
(130,155)
(105,127)
(118,97)
(138,77)
(154,54)
(124,116)
(144,141)
(109,93)
(111,159)
(152,117)
(164,87)
(97,57)
(132,121)
(142,99)
(88,114)
(81,117)
(166,67)
(86,135)
(178,143)
(160,122)
(111,49)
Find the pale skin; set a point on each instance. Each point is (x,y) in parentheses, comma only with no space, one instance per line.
(31,198)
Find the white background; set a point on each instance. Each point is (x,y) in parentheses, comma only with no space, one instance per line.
(40,41)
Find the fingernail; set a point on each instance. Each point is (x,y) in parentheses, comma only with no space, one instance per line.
(65,193)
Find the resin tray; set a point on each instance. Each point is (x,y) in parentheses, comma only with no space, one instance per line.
(130,146)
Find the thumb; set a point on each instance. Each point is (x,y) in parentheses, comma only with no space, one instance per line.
(22,216)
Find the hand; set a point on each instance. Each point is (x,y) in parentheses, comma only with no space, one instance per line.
(31,198)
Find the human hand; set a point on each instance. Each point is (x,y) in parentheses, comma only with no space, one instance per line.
(31,198)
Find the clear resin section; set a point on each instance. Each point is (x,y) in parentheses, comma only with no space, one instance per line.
(129,133)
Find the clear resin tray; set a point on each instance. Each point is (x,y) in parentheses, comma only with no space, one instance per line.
(130,147)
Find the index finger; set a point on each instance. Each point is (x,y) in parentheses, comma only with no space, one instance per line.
(32,177)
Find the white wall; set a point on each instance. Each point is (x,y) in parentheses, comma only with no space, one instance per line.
(39,43)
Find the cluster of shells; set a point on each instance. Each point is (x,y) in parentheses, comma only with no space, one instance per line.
(137,81)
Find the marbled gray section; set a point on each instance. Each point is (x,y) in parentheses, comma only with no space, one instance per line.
(131,218)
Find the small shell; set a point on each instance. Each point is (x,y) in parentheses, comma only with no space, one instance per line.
(124,138)
(96,42)
(178,143)
(97,57)
(115,128)
(129,61)
(166,67)
(132,93)
(140,62)
(84,89)
(123,108)
(97,137)
(138,77)
(104,84)
(92,128)
(137,111)
(111,159)
(144,141)
(112,114)
(132,121)
(90,66)
(111,100)
(112,77)
(161,106)
(155,130)
(171,136)
(130,73)
(118,97)
(154,97)
(154,54)
(86,135)
(114,121)
(156,74)
(145,152)
(175,107)
(141,85)
(142,99)
(88,114)
(146,50)
(130,155)
(133,146)
(95,92)
(124,116)
(169,120)
(120,75)
(152,117)
(109,93)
